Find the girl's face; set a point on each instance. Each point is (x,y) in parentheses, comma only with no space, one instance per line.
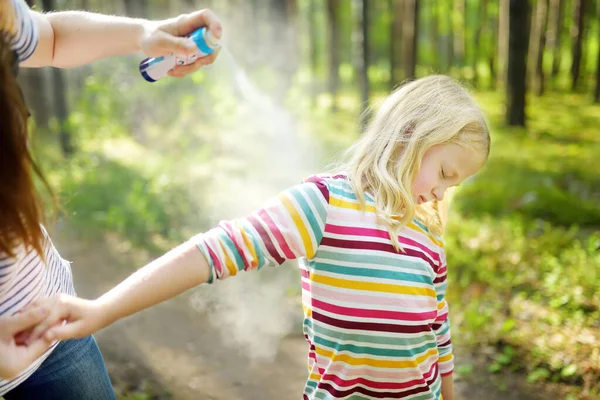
(444,166)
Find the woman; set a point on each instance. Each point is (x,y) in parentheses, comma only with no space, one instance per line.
(30,266)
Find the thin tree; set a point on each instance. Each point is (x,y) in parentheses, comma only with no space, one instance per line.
(597,89)
(492,28)
(516,83)
(434,34)
(361,52)
(555,28)
(313,48)
(503,28)
(59,97)
(536,46)
(410,29)
(459,31)
(450,36)
(481,26)
(577,36)
(334,50)
(396,8)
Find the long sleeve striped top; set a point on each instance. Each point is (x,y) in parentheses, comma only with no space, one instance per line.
(376,320)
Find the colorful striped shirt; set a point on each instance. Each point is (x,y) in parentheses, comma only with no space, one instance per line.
(27,277)
(376,320)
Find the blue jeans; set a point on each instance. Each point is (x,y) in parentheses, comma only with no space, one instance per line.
(74,371)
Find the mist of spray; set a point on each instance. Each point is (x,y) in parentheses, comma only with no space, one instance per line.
(254,310)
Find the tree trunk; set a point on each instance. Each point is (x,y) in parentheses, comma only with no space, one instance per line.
(334,50)
(450,38)
(577,34)
(434,35)
(361,52)
(555,27)
(536,46)
(313,50)
(61,110)
(503,34)
(518,40)
(33,84)
(396,8)
(410,31)
(481,26)
(136,8)
(59,98)
(597,89)
(458,21)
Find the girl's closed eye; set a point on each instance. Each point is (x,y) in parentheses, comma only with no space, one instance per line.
(443,173)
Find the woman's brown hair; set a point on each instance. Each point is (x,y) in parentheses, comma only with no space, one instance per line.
(21,212)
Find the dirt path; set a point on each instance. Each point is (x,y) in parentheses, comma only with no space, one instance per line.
(177,352)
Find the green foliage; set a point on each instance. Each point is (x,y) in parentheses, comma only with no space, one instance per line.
(524,244)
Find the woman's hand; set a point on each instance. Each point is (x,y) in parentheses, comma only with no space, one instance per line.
(15,356)
(69,317)
(165,37)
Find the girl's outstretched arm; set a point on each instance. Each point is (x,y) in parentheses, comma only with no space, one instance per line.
(288,226)
(175,272)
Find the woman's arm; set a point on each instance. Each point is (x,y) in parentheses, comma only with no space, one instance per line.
(73,38)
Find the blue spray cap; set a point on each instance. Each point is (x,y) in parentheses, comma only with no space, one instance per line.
(205,40)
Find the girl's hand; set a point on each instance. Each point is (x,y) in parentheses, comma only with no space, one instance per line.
(165,37)
(69,317)
(14,356)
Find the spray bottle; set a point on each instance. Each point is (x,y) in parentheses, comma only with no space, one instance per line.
(155,68)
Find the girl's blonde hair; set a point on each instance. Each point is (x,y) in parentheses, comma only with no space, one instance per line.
(386,159)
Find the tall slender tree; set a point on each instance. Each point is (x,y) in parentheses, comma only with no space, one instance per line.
(361,51)
(516,83)
(396,8)
(410,29)
(334,49)
(577,36)
(503,38)
(536,46)
(59,96)
(555,28)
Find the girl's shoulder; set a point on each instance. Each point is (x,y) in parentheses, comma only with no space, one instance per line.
(333,183)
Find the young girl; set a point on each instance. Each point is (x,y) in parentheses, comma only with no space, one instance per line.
(372,261)
(30,266)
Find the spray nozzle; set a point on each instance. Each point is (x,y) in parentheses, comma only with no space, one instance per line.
(204,37)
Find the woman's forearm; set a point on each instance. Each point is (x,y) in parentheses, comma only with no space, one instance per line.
(175,272)
(74,38)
